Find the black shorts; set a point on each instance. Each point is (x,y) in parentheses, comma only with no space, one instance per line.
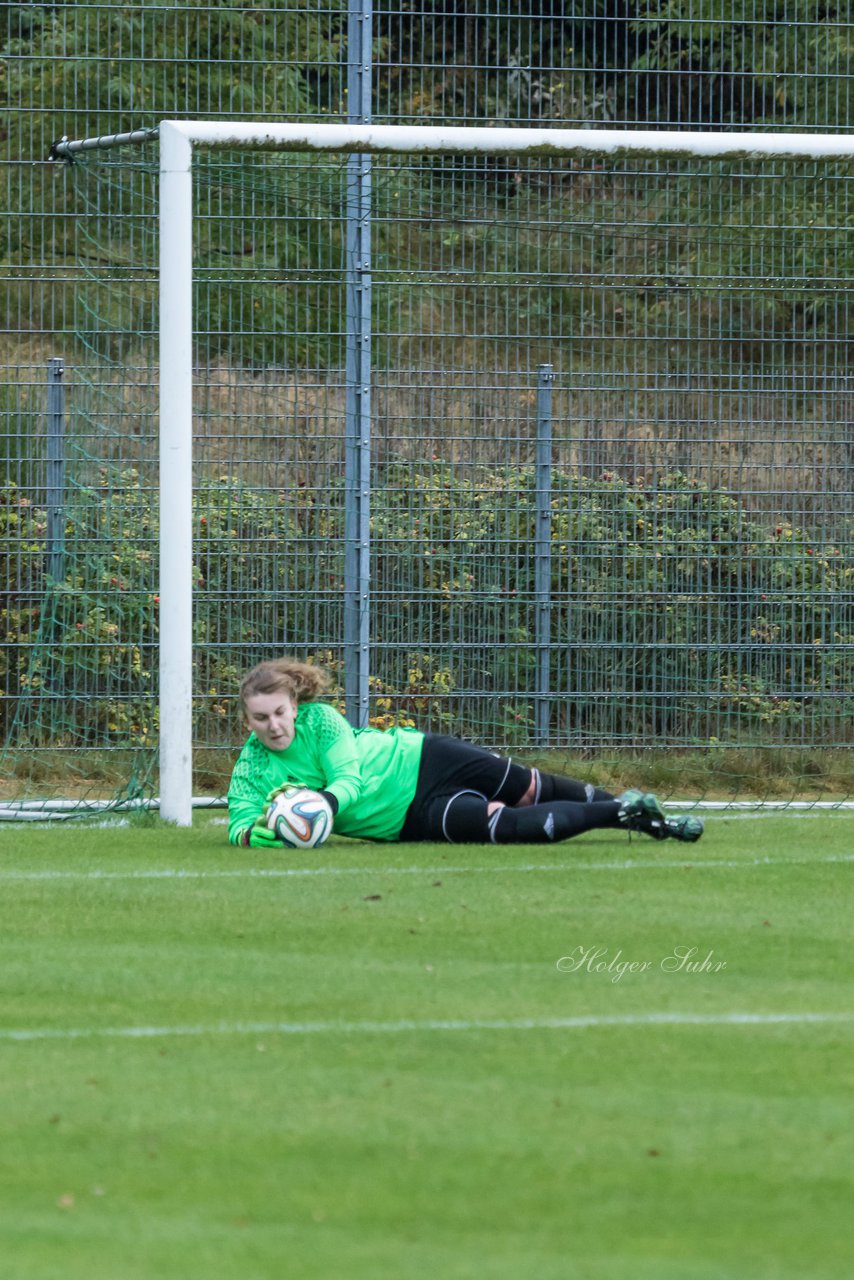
(456,780)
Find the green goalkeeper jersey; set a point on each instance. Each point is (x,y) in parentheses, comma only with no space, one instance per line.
(371,772)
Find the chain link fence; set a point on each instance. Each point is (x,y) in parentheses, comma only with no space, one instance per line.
(610,444)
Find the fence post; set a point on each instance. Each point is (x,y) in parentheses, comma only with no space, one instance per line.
(543,555)
(357,465)
(55,475)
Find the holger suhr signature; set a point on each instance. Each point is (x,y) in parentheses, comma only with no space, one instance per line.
(681,959)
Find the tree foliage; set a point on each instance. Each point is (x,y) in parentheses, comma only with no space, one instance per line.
(108,69)
(735,63)
(85,69)
(715,625)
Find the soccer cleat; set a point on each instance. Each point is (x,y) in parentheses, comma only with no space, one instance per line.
(640,811)
(684,827)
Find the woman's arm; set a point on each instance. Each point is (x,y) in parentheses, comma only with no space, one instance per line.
(247,795)
(336,753)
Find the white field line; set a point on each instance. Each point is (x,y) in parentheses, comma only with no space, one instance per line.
(722,813)
(281,873)
(419,1026)
(22,812)
(760,808)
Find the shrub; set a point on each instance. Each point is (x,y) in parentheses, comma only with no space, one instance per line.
(674,614)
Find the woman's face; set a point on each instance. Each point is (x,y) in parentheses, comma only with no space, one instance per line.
(271,718)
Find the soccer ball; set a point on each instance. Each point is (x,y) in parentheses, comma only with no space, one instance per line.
(301,818)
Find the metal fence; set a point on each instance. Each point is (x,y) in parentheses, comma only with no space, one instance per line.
(610,461)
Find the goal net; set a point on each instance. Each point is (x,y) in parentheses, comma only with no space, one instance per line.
(537,437)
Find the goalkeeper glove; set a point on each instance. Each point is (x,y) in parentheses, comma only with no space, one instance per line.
(330,799)
(259,835)
(277,791)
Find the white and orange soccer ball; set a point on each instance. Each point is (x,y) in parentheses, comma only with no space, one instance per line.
(300,817)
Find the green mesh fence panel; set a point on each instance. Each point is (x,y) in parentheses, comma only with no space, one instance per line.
(693,593)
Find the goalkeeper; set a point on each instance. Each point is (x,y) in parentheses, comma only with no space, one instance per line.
(401,784)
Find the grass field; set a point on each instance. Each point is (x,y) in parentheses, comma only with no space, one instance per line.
(427,1061)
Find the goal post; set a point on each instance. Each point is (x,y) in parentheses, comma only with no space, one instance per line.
(176,476)
(177,142)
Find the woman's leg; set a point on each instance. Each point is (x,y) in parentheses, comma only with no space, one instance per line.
(545,787)
(466,818)
(468,795)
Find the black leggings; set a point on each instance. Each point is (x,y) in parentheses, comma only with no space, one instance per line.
(457,780)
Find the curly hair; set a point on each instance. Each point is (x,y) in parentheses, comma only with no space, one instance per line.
(300,680)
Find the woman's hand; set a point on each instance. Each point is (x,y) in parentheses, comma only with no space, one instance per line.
(259,835)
